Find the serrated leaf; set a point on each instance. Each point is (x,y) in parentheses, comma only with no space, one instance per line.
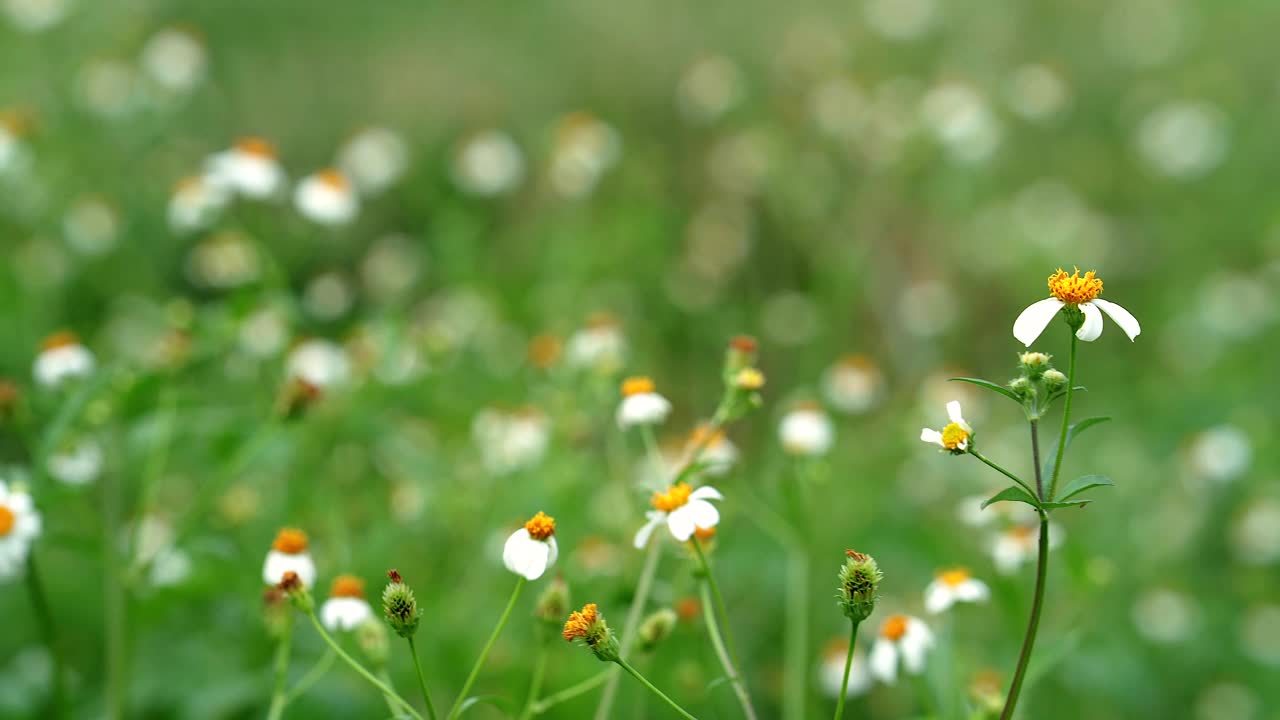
(1013,493)
(990,386)
(1082,483)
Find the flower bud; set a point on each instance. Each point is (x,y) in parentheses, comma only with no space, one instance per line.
(371,636)
(552,604)
(400,606)
(276,613)
(291,585)
(656,628)
(588,624)
(740,355)
(1034,363)
(1054,380)
(748,378)
(1021,387)
(859,585)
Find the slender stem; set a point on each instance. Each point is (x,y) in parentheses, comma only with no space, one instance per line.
(715,592)
(360,669)
(636,674)
(484,654)
(797,661)
(1035,458)
(312,677)
(278,697)
(535,683)
(1006,473)
(574,691)
(722,653)
(1066,420)
(114,600)
(390,700)
(1037,604)
(40,604)
(422,681)
(848,663)
(634,615)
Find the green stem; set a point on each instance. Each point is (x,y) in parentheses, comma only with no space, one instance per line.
(715,592)
(1006,473)
(573,691)
(312,677)
(722,653)
(114,601)
(422,681)
(1033,625)
(40,604)
(1066,420)
(360,669)
(636,674)
(390,700)
(278,696)
(634,615)
(484,654)
(797,632)
(848,663)
(535,683)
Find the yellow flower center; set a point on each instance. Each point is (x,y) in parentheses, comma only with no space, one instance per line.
(953,436)
(257,147)
(749,379)
(636,386)
(676,496)
(347,586)
(894,628)
(7,521)
(333,179)
(954,577)
(290,541)
(1073,289)
(580,622)
(541,526)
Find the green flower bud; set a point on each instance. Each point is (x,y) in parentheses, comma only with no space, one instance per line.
(371,636)
(1054,380)
(552,605)
(1034,363)
(400,606)
(859,585)
(740,355)
(1021,387)
(656,628)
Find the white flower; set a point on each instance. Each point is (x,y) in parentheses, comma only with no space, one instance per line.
(1073,291)
(488,163)
(1019,544)
(289,554)
(806,430)
(174,59)
(62,357)
(511,441)
(19,527)
(954,586)
(901,636)
(34,16)
(683,509)
(78,464)
(196,203)
(346,608)
(374,158)
(852,385)
(585,148)
(831,672)
(250,168)
(326,197)
(640,404)
(14,154)
(320,362)
(598,346)
(532,549)
(955,436)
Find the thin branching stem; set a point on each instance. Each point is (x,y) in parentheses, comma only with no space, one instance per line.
(488,646)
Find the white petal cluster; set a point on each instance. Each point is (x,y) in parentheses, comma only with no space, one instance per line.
(698,512)
(902,639)
(19,528)
(806,431)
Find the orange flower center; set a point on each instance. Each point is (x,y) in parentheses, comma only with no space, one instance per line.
(290,541)
(703,436)
(541,526)
(580,622)
(1073,289)
(954,577)
(544,351)
(333,179)
(744,344)
(676,496)
(704,534)
(7,520)
(347,586)
(636,385)
(894,627)
(953,436)
(1021,533)
(257,147)
(60,339)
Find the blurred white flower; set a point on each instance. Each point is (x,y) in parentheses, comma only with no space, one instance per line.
(806,430)
(1228,701)
(1036,92)
(391,267)
(289,553)
(78,464)
(14,154)
(225,260)
(249,168)
(683,510)
(1220,454)
(962,122)
(90,226)
(346,607)
(599,345)
(1255,533)
(955,436)
(511,441)
(167,565)
(853,384)
(108,88)
(488,163)
(62,357)
(901,19)
(264,332)
(739,163)
(326,197)
(831,671)
(641,404)
(174,58)
(374,158)
(1235,305)
(19,528)
(709,88)
(790,318)
(717,458)
(34,16)
(322,363)
(532,549)
(1184,140)
(953,586)
(328,296)
(1163,616)
(1014,547)
(1259,634)
(585,148)
(196,202)
(901,638)
(925,308)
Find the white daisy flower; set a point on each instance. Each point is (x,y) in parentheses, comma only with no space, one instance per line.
(1073,291)
(600,345)
(953,586)
(585,148)
(831,671)
(532,549)
(327,197)
(62,357)
(196,203)
(806,430)
(250,168)
(1019,544)
(955,436)
(488,163)
(852,385)
(901,637)
(346,608)
(78,464)
(641,405)
(19,527)
(683,509)
(374,158)
(322,363)
(289,554)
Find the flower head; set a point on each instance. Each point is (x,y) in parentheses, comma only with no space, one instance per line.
(641,404)
(346,608)
(859,585)
(289,554)
(904,638)
(806,430)
(19,527)
(955,437)
(588,625)
(532,549)
(249,168)
(852,385)
(61,358)
(1078,296)
(683,509)
(399,606)
(952,586)
(1015,546)
(599,346)
(831,673)
(656,627)
(327,197)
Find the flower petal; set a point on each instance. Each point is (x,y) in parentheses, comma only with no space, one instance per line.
(704,514)
(1035,319)
(1127,322)
(644,533)
(1092,327)
(680,522)
(554,551)
(953,412)
(972,590)
(706,492)
(884,661)
(931,436)
(938,597)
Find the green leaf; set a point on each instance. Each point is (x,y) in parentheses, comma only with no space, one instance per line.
(1013,493)
(990,386)
(1072,431)
(1058,505)
(495,700)
(1082,483)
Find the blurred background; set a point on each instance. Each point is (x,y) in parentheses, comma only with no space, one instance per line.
(535,200)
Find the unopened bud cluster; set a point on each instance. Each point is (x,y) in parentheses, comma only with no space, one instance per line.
(400,606)
(742,379)
(1037,382)
(859,585)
